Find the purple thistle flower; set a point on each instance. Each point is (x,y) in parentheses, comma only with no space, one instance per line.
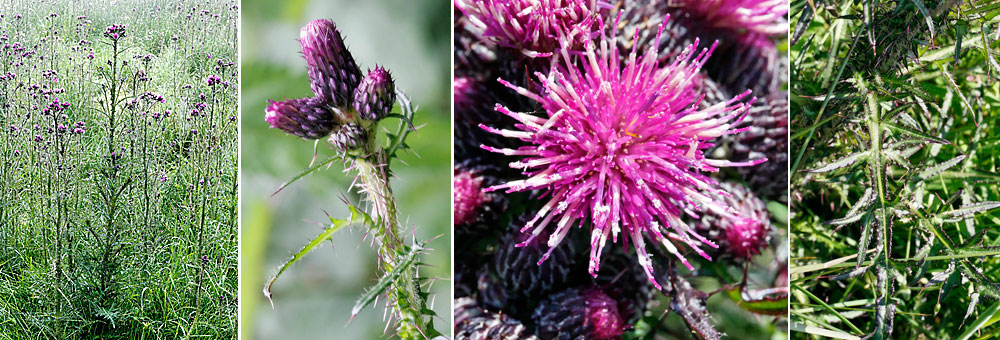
(536,28)
(115,32)
(333,74)
(621,145)
(762,16)
(469,196)
(308,118)
(212,80)
(579,313)
(375,94)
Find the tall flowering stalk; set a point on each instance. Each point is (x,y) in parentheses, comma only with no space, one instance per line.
(345,110)
(621,144)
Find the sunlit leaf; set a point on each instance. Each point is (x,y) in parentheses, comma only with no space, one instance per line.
(842,163)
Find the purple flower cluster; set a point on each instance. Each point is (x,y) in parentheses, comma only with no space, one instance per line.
(213,80)
(345,104)
(115,32)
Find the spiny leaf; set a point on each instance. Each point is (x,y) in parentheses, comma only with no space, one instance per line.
(973,301)
(971,209)
(397,140)
(885,313)
(857,211)
(913,133)
(870,227)
(942,276)
(357,217)
(388,280)
(926,14)
(973,251)
(937,169)
(842,163)
(804,20)
(983,284)
(958,90)
(852,273)
(986,318)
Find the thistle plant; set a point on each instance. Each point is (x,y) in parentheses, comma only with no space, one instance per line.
(613,138)
(106,227)
(345,109)
(893,174)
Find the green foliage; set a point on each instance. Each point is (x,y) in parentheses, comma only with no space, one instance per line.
(894,175)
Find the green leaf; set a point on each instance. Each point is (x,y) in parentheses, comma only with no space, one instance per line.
(937,169)
(858,210)
(913,133)
(357,217)
(307,172)
(926,14)
(971,209)
(800,327)
(770,301)
(778,211)
(986,318)
(828,308)
(387,281)
(842,163)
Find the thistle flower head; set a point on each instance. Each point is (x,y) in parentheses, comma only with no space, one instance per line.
(469,196)
(308,118)
(580,313)
(747,236)
(621,145)
(333,74)
(535,27)
(375,95)
(743,237)
(762,16)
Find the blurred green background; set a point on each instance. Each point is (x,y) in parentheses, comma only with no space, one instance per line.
(313,299)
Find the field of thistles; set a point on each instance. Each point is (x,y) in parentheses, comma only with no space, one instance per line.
(620,169)
(894,200)
(118,172)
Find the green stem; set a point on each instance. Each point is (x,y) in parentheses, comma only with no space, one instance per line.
(407,300)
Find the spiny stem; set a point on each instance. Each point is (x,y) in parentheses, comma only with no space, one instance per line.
(405,296)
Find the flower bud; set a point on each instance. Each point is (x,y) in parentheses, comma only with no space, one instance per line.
(375,95)
(349,137)
(305,117)
(333,74)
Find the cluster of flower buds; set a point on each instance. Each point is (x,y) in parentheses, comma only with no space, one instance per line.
(345,105)
(115,32)
(213,80)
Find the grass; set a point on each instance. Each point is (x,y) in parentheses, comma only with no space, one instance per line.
(894,173)
(123,225)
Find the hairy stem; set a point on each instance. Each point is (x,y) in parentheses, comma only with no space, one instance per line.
(405,296)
